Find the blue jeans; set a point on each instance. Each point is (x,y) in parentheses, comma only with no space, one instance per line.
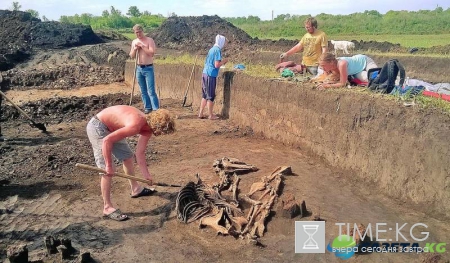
(146,79)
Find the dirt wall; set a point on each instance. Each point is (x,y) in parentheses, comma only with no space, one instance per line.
(402,151)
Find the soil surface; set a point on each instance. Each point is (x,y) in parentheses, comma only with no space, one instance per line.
(42,193)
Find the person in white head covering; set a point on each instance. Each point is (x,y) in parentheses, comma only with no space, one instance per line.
(213,62)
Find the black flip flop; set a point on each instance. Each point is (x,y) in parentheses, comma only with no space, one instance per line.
(144,192)
(116,216)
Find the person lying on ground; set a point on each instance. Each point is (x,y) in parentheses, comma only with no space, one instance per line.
(331,78)
(356,66)
(291,65)
(213,62)
(107,132)
(313,44)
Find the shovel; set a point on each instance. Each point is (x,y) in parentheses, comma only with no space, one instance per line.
(100,170)
(40,126)
(134,76)
(189,83)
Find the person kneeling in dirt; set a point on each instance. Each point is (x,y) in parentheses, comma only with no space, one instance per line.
(313,44)
(341,68)
(107,132)
(213,62)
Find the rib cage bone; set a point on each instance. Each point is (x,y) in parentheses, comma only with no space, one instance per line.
(203,202)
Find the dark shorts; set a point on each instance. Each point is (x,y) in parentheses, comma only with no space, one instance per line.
(208,87)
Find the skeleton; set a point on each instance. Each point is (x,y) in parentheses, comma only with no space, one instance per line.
(205,202)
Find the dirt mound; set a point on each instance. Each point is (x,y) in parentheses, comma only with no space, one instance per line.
(21,33)
(67,69)
(48,160)
(60,35)
(198,33)
(57,110)
(444,50)
(379,46)
(61,77)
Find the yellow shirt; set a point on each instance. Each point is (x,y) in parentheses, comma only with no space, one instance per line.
(312,47)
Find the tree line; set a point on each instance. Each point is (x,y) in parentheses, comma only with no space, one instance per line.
(114,19)
(369,22)
(110,19)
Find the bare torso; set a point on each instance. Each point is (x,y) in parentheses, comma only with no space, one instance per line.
(120,116)
(144,58)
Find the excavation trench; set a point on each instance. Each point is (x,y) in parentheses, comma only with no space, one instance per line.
(401,151)
(44,194)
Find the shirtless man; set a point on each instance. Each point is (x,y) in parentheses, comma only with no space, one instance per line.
(107,132)
(145,48)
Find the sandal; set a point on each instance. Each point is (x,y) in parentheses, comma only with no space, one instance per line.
(116,216)
(144,192)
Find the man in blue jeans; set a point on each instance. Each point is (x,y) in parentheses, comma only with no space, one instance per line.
(144,48)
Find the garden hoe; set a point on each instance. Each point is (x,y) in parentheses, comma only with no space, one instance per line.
(40,126)
(100,170)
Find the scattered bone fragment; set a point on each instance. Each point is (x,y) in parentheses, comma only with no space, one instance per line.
(258,186)
(232,165)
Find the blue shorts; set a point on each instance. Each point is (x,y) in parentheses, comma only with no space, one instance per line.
(208,87)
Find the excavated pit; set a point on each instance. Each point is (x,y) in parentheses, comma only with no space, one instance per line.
(342,146)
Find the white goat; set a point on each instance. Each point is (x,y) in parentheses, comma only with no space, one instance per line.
(343,45)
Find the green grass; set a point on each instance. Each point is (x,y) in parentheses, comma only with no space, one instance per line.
(256,70)
(392,54)
(425,41)
(410,41)
(130,36)
(430,102)
(267,71)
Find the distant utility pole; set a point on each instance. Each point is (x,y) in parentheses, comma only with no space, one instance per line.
(272,15)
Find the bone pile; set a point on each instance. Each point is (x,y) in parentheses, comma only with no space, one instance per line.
(203,202)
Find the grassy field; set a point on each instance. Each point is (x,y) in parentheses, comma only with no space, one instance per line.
(266,71)
(404,40)
(129,35)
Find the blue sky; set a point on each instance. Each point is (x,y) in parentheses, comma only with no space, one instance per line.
(53,9)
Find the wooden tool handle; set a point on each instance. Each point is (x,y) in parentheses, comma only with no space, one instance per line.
(15,106)
(100,170)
